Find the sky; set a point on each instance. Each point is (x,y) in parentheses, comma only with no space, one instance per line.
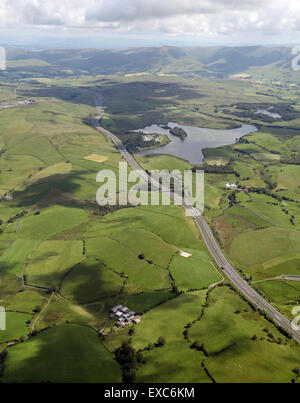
(127,23)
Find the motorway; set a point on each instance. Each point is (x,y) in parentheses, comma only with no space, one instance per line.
(213,247)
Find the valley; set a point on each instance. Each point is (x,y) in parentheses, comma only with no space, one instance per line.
(65,261)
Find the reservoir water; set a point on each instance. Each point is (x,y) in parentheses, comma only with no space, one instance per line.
(197,139)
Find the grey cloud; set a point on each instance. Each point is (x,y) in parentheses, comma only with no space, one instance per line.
(175,17)
(133,10)
(36,14)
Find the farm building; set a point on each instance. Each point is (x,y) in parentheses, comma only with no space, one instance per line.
(8,198)
(230,186)
(116,308)
(124,316)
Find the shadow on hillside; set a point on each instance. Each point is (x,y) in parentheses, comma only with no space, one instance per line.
(90,281)
(58,189)
(151,91)
(75,95)
(66,353)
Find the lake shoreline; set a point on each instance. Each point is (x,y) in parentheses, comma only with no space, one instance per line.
(191,148)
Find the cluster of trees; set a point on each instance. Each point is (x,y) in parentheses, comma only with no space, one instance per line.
(134,142)
(104,210)
(232,199)
(17,216)
(296,371)
(179,132)
(242,140)
(293,160)
(285,110)
(129,359)
(216,169)
(3,355)
(160,343)
(89,120)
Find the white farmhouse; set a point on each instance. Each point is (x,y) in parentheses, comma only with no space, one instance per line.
(230,186)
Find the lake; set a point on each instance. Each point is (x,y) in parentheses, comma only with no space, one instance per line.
(197,139)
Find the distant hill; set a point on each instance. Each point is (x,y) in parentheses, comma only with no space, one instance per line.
(204,61)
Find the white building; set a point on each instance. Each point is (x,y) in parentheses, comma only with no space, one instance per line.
(230,186)
(150,137)
(116,308)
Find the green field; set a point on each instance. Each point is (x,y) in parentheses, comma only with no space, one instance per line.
(233,355)
(167,363)
(148,300)
(50,222)
(59,355)
(65,261)
(285,295)
(265,245)
(13,259)
(15,326)
(26,301)
(58,258)
(91,281)
(194,272)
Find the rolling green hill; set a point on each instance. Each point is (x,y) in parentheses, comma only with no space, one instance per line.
(203,61)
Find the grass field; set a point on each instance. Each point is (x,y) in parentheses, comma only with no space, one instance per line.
(92,259)
(58,258)
(167,222)
(143,276)
(13,259)
(233,355)
(284,294)
(168,320)
(161,162)
(265,245)
(60,355)
(15,326)
(148,300)
(50,222)
(91,281)
(195,272)
(26,301)
(61,311)
(167,363)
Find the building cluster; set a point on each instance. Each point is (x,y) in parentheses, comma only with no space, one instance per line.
(7,198)
(29,101)
(150,137)
(231,186)
(124,316)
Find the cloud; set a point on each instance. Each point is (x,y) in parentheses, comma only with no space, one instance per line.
(135,10)
(36,14)
(171,17)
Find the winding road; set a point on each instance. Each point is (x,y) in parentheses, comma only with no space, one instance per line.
(211,244)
